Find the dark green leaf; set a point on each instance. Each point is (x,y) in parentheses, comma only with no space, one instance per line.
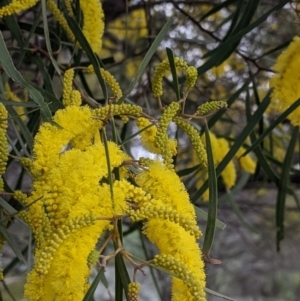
(148,57)
(282,189)
(174,73)
(272,126)
(90,293)
(238,213)
(12,72)
(238,143)
(12,243)
(201,214)
(213,197)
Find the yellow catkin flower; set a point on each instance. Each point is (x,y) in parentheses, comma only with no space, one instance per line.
(158,210)
(93,23)
(109,79)
(160,72)
(161,139)
(133,291)
(285,84)
(3,139)
(171,238)
(246,162)
(148,137)
(68,4)
(191,77)
(10,95)
(58,15)
(116,110)
(93,258)
(20,196)
(68,273)
(195,139)
(73,121)
(164,66)
(16,6)
(182,272)
(75,98)
(27,163)
(67,87)
(164,184)
(210,106)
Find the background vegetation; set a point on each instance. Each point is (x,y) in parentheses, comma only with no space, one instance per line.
(234,45)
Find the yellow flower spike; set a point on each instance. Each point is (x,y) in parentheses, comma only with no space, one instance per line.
(109,79)
(115,110)
(172,239)
(161,139)
(93,23)
(20,196)
(93,258)
(191,77)
(27,163)
(68,4)
(157,209)
(160,72)
(16,6)
(58,15)
(173,193)
(182,272)
(246,162)
(44,256)
(133,291)
(195,139)
(148,137)
(112,83)
(285,84)
(68,197)
(72,122)
(67,87)
(210,106)
(68,273)
(1,184)
(3,139)
(75,98)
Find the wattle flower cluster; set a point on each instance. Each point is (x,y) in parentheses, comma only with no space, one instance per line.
(286,81)
(71,204)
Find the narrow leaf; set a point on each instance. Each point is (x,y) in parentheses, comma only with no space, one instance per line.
(209,291)
(7,207)
(12,243)
(148,57)
(238,213)
(174,73)
(284,180)
(213,196)
(238,143)
(201,214)
(272,126)
(90,293)
(7,64)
